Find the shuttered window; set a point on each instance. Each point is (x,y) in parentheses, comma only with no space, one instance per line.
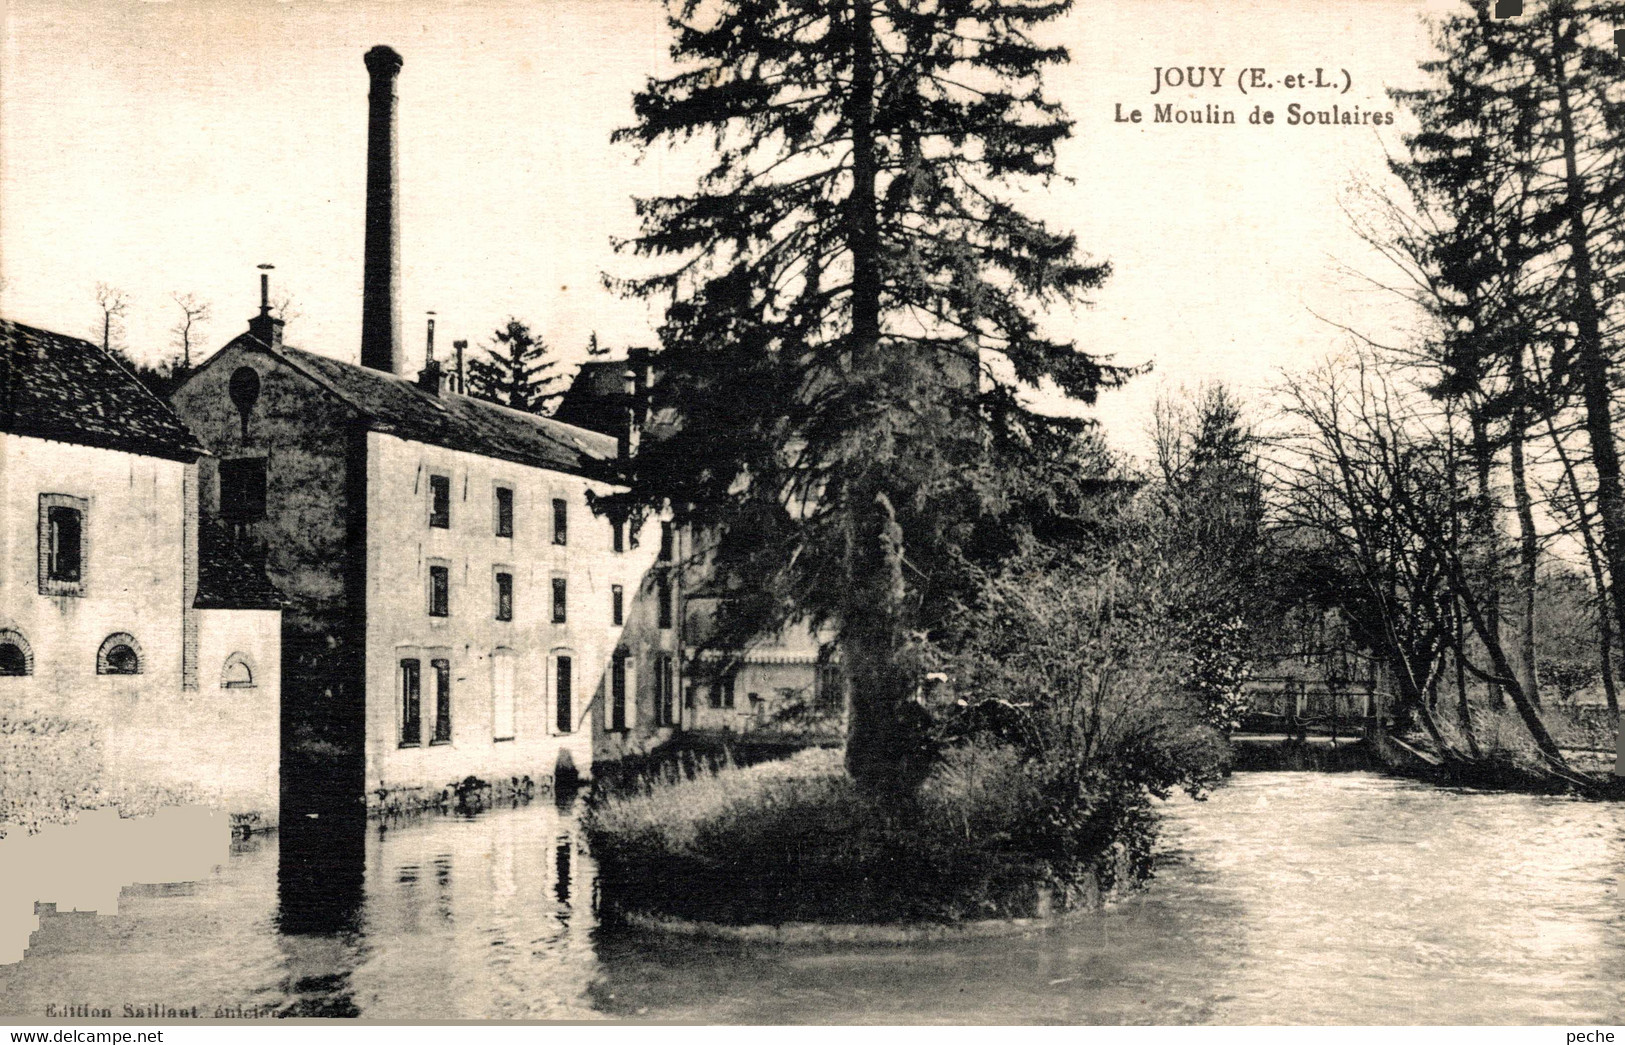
(502,695)
(411,703)
(442,701)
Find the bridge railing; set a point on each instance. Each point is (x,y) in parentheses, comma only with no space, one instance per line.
(1295,706)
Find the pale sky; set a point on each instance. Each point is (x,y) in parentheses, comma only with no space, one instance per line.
(173,146)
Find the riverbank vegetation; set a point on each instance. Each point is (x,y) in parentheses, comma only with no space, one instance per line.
(854,327)
(1455,498)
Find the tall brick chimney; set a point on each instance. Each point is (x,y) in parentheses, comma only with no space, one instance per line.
(381,277)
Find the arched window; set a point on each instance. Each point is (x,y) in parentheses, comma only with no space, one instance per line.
(120,655)
(16,658)
(237,673)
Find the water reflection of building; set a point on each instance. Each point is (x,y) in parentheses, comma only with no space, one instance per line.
(136,653)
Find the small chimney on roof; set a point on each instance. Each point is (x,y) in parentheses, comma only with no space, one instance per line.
(430,378)
(381,272)
(265,327)
(460,347)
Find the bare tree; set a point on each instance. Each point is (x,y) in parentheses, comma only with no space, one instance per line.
(114,305)
(194,314)
(286,308)
(1376,491)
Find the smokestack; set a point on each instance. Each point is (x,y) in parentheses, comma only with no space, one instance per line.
(462,388)
(381,277)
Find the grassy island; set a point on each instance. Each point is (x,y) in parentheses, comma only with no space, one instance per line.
(797,841)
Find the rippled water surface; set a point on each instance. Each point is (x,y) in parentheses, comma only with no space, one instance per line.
(1285,898)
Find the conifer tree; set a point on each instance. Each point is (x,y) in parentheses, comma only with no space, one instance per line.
(853,303)
(517,371)
(1522,147)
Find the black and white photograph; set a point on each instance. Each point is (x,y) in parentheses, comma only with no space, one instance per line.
(751,513)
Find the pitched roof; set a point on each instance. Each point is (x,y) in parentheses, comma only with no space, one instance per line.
(57,387)
(458,422)
(228,579)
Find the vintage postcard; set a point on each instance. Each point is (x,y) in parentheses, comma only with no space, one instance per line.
(841,512)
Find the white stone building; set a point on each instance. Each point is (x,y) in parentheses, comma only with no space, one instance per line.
(128,660)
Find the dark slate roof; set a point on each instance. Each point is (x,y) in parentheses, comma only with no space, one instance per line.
(228,579)
(57,387)
(596,398)
(398,406)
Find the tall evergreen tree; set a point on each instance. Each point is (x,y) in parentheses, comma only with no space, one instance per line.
(1522,141)
(853,303)
(517,371)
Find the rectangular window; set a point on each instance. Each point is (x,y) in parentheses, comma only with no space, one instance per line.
(663,597)
(440,501)
(442,701)
(502,696)
(504,596)
(558,600)
(439,591)
(411,703)
(504,512)
(663,690)
(666,542)
(617,690)
(618,536)
(242,489)
(829,690)
(66,526)
(561,521)
(62,544)
(617,604)
(722,692)
(563,683)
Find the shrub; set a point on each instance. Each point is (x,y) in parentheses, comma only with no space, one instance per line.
(988,835)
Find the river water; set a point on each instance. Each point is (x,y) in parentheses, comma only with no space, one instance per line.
(1296,898)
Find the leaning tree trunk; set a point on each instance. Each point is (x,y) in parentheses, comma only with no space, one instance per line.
(1528,539)
(1503,668)
(1464,707)
(1487,534)
(1599,575)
